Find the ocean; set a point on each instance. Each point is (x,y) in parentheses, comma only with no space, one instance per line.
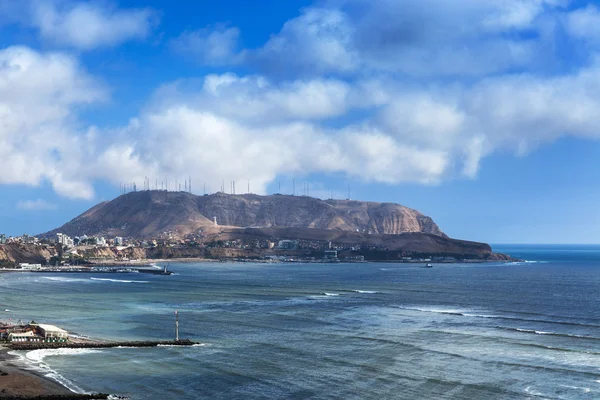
(526,330)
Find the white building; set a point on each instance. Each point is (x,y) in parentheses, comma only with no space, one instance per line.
(118,241)
(51,333)
(30,267)
(63,239)
(28,336)
(100,241)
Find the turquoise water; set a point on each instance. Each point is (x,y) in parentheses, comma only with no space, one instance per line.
(313,331)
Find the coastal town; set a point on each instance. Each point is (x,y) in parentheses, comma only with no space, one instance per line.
(65,251)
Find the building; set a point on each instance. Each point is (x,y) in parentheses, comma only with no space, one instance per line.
(63,239)
(28,336)
(100,241)
(288,245)
(29,239)
(30,267)
(51,333)
(118,241)
(2,238)
(331,255)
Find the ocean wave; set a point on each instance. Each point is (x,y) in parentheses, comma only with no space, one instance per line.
(331,294)
(35,359)
(63,279)
(535,332)
(6,310)
(117,280)
(449,311)
(365,291)
(38,356)
(474,314)
(176,345)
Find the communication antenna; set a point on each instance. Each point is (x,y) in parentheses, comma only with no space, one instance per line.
(248,186)
(348,191)
(294,187)
(204,187)
(190,185)
(279,187)
(176,326)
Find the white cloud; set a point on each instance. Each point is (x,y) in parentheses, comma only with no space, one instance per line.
(318,41)
(584,23)
(35,205)
(39,94)
(356,105)
(89,25)
(421,38)
(211,46)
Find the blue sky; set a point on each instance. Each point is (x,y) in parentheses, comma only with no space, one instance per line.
(483,115)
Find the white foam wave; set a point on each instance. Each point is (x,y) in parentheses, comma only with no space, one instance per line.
(550,333)
(331,294)
(38,356)
(6,310)
(578,388)
(62,279)
(451,311)
(35,360)
(175,345)
(365,291)
(117,280)
(153,265)
(534,331)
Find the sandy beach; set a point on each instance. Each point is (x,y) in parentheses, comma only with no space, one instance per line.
(17,381)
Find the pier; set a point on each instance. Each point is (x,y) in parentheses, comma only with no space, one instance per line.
(96,345)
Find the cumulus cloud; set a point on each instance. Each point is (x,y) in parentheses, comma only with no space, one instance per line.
(39,94)
(88,25)
(422,38)
(421,100)
(35,205)
(210,46)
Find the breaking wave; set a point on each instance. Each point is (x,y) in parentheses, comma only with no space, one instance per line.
(117,280)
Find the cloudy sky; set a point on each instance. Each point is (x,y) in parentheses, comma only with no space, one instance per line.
(484,115)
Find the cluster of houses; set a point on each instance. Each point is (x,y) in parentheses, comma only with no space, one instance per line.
(63,239)
(33,332)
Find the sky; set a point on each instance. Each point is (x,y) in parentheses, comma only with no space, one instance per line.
(481,114)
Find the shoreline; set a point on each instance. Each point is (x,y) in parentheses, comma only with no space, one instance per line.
(24,382)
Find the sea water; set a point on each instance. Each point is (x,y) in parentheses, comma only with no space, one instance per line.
(327,331)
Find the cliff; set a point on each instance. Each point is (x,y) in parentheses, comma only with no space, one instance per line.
(24,253)
(151,213)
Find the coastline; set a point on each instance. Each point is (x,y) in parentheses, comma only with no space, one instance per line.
(20,381)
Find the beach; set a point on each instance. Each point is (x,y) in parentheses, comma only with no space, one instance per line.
(16,381)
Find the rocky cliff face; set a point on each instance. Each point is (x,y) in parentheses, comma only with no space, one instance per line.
(21,253)
(150,213)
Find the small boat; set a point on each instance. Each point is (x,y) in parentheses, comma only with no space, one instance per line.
(163,271)
(427,266)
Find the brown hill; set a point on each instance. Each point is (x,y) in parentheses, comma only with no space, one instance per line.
(152,213)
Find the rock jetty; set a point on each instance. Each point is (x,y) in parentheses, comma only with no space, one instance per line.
(98,345)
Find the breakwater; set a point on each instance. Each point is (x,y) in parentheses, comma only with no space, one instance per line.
(98,345)
(74,396)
